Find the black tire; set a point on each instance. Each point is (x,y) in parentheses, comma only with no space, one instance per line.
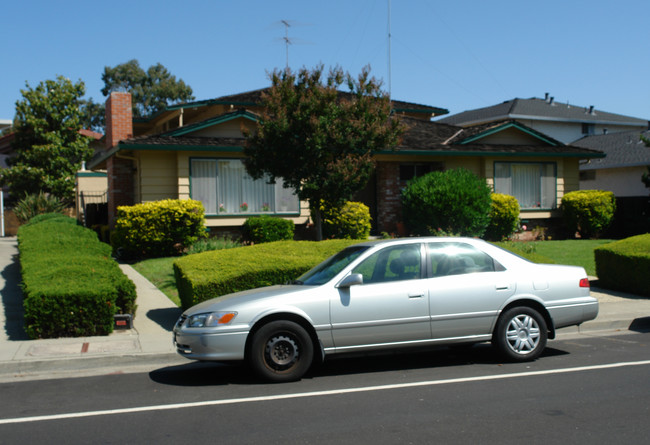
(520,334)
(281,351)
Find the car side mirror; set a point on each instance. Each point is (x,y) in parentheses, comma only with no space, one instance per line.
(351,280)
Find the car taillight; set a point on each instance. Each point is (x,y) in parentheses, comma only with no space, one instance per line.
(584,282)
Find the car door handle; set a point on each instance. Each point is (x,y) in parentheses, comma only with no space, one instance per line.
(416,295)
(503,287)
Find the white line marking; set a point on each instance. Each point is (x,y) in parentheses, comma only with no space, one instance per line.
(317,393)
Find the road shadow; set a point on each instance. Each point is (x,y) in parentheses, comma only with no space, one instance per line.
(641,325)
(165,317)
(219,374)
(203,374)
(12,301)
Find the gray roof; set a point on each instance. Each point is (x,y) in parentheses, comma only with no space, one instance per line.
(624,149)
(541,109)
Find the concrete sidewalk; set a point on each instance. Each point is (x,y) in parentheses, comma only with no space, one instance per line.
(148,345)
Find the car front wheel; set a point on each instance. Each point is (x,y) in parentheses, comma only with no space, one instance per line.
(520,334)
(281,351)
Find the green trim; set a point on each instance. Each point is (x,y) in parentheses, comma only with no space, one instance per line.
(490,153)
(199,104)
(91,175)
(171,147)
(211,122)
(500,128)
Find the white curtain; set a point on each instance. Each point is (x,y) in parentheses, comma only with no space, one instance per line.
(204,183)
(225,188)
(533,184)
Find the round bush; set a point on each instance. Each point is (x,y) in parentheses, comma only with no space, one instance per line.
(588,212)
(453,201)
(265,229)
(504,217)
(351,221)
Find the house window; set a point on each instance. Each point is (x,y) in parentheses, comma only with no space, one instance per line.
(533,184)
(410,171)
(588,129)
(224,188)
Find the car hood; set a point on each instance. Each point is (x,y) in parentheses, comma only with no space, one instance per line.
(237,299)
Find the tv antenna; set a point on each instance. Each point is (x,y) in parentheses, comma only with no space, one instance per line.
(288,40)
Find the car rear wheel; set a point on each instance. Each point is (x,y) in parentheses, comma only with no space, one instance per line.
(520,334)
(281,351)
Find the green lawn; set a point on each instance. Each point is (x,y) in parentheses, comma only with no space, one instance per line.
(574,252)
(160,272)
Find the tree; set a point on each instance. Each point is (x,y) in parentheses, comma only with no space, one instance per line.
(319,140)
(49,148)
(151,91)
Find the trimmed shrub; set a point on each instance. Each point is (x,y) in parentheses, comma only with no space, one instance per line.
(208,275)
(351,221)
(71,285)
(504,217)
(588,212)
(157,229)
(453,201)
(623,265)
(266,229)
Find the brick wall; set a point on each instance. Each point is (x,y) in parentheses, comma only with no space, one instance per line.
(120,171)
(389,206)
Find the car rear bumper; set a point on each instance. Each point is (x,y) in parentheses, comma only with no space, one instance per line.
(574,313)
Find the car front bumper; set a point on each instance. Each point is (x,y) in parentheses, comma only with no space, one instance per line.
(210,346)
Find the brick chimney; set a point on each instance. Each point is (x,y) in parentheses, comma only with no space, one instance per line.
(120,170)
(119,118)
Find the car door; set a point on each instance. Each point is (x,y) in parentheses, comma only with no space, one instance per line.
(391,305)
(466,290)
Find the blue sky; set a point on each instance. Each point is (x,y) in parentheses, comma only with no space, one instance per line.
(454,54)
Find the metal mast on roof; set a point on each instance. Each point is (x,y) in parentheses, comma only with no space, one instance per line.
(286,39)
(389,56)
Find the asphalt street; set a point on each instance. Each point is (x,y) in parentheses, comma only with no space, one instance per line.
(592,389)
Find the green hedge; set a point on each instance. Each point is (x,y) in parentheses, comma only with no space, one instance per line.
(158,229)
(624,265)
(588,212)
(266,229)
(71,285)
(450,202)
(351,221)
(504,217)
(208,275)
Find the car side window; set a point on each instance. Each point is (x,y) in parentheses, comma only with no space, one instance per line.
(391,264)
(458,258)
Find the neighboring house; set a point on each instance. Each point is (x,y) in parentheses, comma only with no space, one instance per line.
(627,159)
(195,150)
(562,121)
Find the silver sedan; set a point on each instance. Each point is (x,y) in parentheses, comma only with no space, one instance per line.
(391,294)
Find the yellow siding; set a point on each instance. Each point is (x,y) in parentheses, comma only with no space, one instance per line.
(157,176)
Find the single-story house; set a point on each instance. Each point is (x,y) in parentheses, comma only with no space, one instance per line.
(194,150)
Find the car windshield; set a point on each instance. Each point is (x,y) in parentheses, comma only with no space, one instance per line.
(326,270)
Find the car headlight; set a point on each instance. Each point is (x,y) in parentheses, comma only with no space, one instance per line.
(208,319)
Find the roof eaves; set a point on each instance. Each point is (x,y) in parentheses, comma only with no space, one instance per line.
(581,155)
(507,125)
(212,121)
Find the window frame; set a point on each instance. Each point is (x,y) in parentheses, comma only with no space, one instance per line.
(542,164)
(274,208)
